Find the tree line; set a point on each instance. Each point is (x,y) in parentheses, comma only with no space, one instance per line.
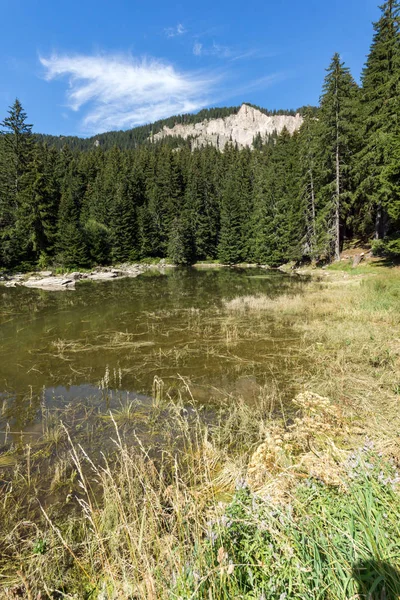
(290,198)
(132,138)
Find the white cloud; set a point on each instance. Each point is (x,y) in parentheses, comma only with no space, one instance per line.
(174,31)
(197,49)
(215,49)
(221,51)
(122,91)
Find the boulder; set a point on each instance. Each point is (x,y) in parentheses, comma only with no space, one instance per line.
(102,275)
(357,259)
(76,275)
(50,283)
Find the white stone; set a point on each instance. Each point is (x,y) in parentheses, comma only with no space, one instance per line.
(50,283)
(240,128)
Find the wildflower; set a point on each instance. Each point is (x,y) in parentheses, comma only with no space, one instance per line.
(241,485)
(224,521)
(368,445)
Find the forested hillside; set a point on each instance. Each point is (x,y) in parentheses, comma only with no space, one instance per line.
(291,198)
(140,135)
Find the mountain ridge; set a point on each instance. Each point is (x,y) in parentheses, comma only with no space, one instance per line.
(240,128)
(132,138)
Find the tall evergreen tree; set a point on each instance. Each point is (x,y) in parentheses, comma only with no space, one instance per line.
(123,224)
(378,188)
(41,203)
(309,179)
(234,204)
(201,201)
(277,217)
(337,128)
(16,151)
(181,246)
(71,244)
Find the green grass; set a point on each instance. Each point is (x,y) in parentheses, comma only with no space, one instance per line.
(324,543)
(381,293)
(364,268)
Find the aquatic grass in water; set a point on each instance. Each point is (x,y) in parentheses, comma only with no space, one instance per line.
(163,325)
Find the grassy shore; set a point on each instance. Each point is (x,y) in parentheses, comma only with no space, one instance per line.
(255,500)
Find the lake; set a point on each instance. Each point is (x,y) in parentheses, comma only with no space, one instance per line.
(57,348)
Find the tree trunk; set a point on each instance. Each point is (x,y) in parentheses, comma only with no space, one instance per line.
(378,221)
(337,199)
(337,207)
(312,203)
(313,228)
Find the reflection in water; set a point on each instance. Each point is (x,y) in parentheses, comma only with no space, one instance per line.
(166,325)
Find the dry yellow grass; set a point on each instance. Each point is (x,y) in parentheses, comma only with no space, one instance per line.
(350,341)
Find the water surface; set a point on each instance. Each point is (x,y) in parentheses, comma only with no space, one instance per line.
(65,346)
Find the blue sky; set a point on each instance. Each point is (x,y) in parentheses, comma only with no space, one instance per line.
(82,67)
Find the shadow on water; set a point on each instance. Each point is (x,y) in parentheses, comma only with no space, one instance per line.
(377,580)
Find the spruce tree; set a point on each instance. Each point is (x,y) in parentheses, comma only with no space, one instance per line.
(234,201)
(16,151)
(123,224)
(201,201)
(309,179)
(337,129)
(181,246)
(39,206)
(71,242)
(278,219)
(378,173)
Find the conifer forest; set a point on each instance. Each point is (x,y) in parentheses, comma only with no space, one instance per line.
(299,197)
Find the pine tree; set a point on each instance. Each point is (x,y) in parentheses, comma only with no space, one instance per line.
(181,246)
(278,218)
(123,224)
(166,196)
(201,201)
(72,244)
(378,188)
(16,152)
(18,146)
(309,179)
(338,123)
(232,247)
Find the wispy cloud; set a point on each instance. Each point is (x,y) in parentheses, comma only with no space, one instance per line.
(121,91)
(197,49)
(174,31)
(230,53)
(215,49)
(262,83)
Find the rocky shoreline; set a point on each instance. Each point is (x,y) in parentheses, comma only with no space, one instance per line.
(47,280)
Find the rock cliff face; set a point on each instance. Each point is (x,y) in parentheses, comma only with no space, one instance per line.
(240,128)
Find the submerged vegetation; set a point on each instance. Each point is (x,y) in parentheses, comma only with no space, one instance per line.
(238,499)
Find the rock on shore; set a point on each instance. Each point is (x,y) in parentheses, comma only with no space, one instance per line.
(45,280)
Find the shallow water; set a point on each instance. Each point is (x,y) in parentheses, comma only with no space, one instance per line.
(121,334)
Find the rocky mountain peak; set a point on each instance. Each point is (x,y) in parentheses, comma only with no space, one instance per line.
(240,128)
